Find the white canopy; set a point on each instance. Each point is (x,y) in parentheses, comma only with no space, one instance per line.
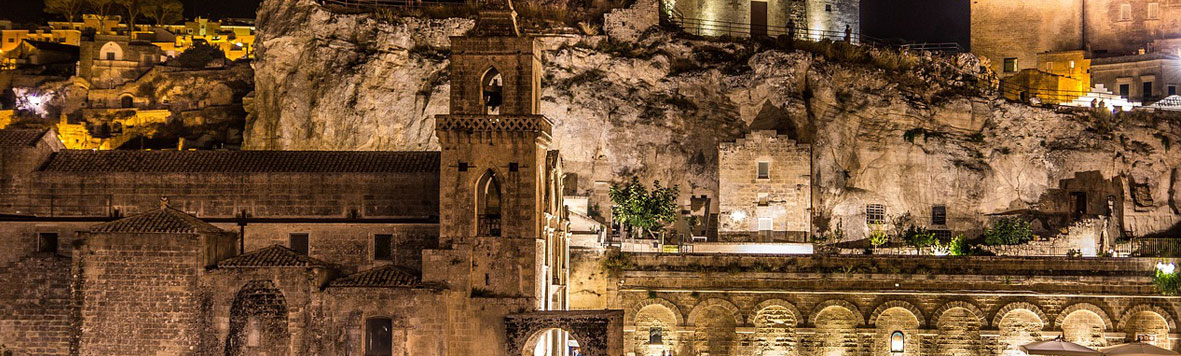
(1136,349)
(1058,347)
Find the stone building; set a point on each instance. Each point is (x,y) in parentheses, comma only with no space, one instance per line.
(765,193)
(807,19)
(1140,77)
(111,60)
(456,252)
(1012,33)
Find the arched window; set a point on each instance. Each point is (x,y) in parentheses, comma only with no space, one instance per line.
(126,102)
(897,342)
(488,204)
(492,87)
(655,336)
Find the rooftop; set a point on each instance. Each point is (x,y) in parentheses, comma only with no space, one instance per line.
(381,277)
(20,137)
(163,220)
(271,256)
(85,161)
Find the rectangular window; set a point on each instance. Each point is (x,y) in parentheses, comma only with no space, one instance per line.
(47,242)
(828,7)
(875,214)
(299,242)
(1125,12)
(382,247)
(379,337)
(764,170)
(110,56)
(1147,93)
(766,224)
(1153,11)
(1124,89)
(764,199)
(939,215)
(1010,65)
(1172,90)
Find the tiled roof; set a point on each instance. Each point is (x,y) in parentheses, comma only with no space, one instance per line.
(386,276)
(20,137)
(242,161)
(272,256)
(163,220)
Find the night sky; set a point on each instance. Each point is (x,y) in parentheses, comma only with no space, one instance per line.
(911,20)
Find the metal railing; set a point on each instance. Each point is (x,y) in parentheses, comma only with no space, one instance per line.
(380,4)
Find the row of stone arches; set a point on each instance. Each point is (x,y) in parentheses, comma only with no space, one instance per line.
(775,326)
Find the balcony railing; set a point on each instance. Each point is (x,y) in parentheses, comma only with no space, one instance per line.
(489,225)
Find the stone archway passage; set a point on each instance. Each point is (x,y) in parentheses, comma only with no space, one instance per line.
(258,321)
(599,332)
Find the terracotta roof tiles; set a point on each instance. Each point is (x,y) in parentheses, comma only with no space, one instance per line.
(164,220)
(271,256)
(383,277)
(20,137)
(85,161)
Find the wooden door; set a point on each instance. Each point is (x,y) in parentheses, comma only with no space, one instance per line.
(758,19)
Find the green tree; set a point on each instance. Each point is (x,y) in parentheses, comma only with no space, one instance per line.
(1008,231)
(70,9)
(919,238)
(133,8)
(640,208)
(199,56)
(163,12)
(103,9)
(877,236)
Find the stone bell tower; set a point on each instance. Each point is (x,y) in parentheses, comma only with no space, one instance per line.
(493,163)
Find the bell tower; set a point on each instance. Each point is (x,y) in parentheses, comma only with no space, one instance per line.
(494,167)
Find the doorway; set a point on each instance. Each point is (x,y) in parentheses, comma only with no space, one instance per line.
(758,19)
(1078,206)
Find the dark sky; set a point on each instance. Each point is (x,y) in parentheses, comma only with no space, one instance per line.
(911,20)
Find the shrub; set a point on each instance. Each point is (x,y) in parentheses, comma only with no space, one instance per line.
(199,56)
(1167,283)
(958,246)
(919,238)
(615,262)
(877,236)
(1008,231)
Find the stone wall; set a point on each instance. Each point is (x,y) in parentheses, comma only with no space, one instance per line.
(1109,31)
(726,303)
(829,19)
(37,313)
(785,196)
(139,294)
(226,194)
(1022,29)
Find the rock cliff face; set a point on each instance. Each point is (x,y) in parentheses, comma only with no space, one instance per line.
(906,131)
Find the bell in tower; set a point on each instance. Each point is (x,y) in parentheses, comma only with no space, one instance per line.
(493,90)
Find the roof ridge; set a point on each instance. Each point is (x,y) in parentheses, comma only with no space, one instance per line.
(166,219)
(274,255)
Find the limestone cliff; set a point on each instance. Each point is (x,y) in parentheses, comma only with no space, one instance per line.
(908,131)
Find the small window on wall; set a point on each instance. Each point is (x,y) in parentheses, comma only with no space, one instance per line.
(1125,12)
(379,337)
(766,224)
(1153,10)
(47,242)
(875,214)
(764,199)
(382,246)
(110,56)
(764,170)
(939,215)
(1172,90)
(828,7)
(1010,65)
(299,242)
(897,342)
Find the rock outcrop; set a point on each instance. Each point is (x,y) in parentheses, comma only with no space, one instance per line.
(905,130)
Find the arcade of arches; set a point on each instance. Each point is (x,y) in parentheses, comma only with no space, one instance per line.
(693,323)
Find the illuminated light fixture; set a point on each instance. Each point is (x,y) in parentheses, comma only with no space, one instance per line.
(1166,268)
(738,215)
(897,342)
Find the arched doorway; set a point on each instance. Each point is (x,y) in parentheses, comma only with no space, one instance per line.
(126,102)
(552,342)
(589,332)
(258,321)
